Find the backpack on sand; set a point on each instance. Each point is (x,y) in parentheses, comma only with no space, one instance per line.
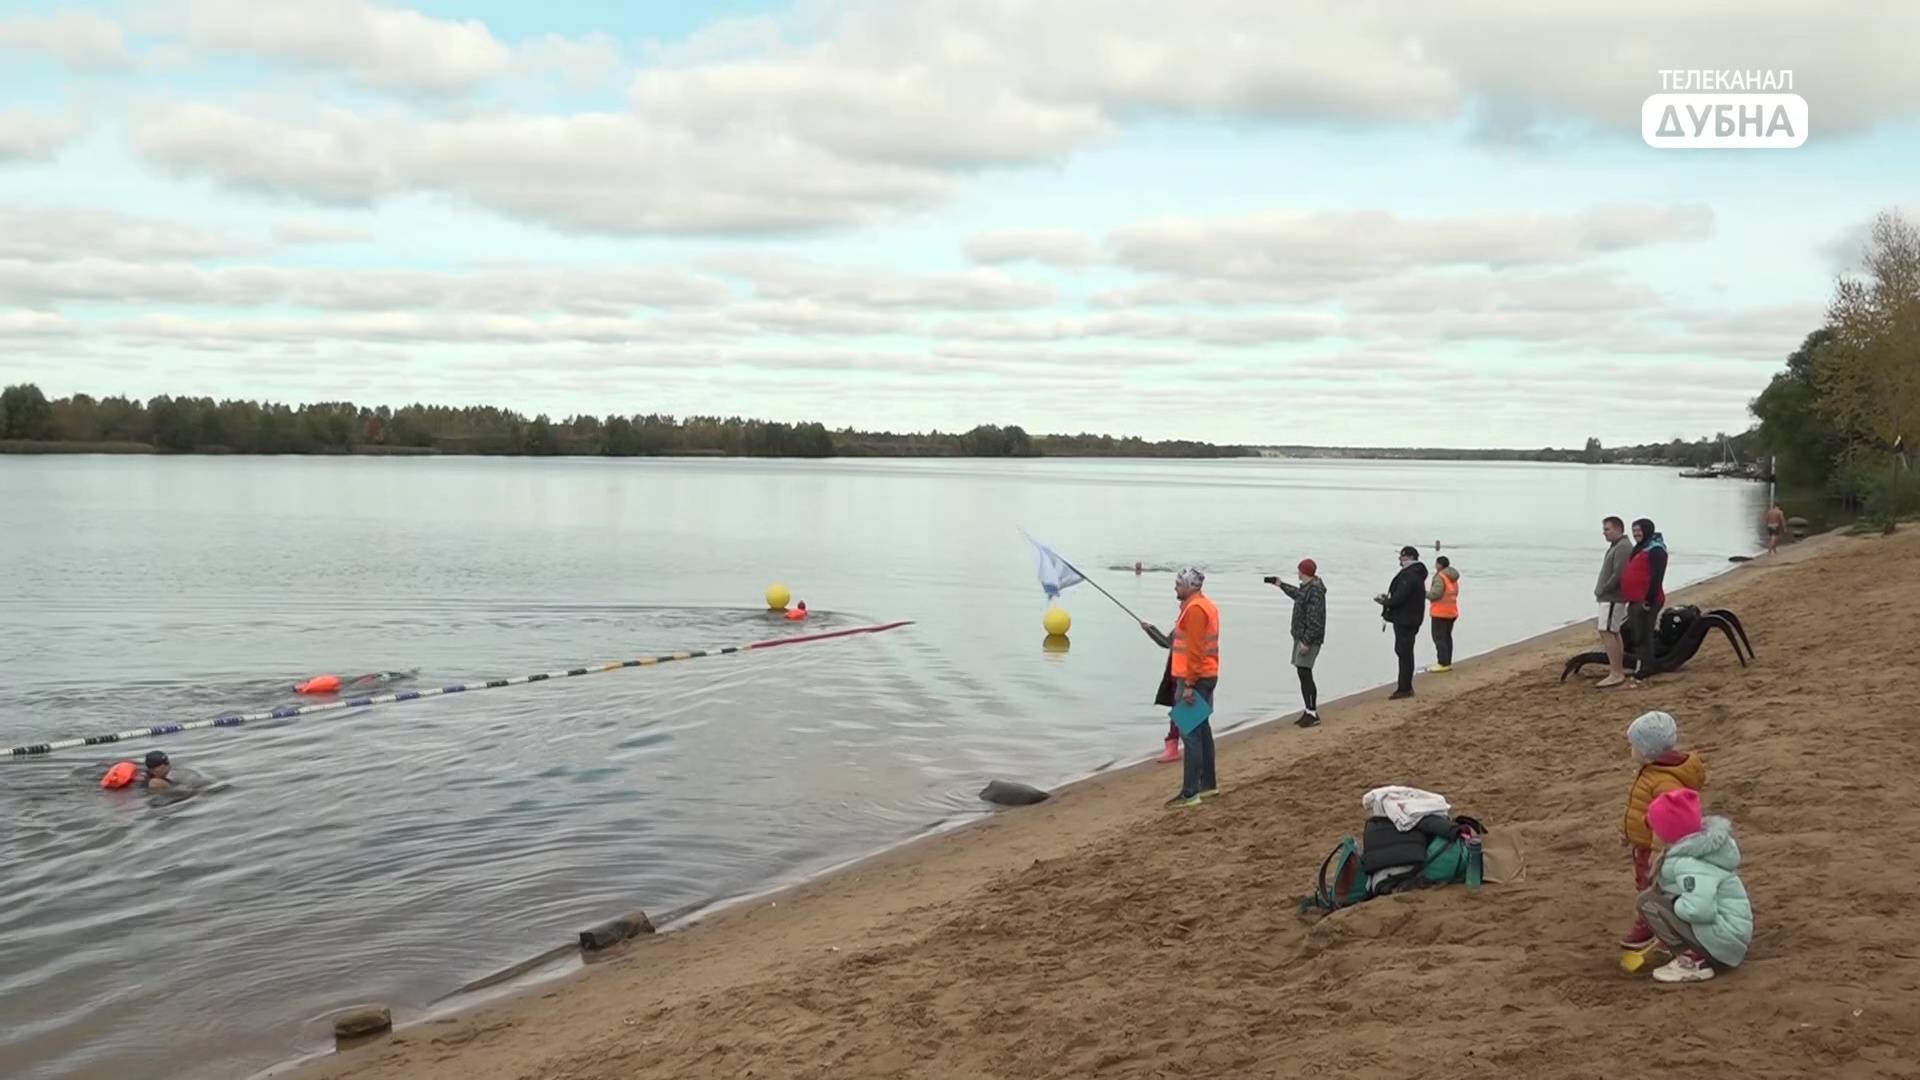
(1342,882)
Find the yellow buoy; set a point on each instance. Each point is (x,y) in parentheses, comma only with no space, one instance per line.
(1057,621)
(777,597)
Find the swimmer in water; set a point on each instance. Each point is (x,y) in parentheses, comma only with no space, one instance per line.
(159,770)
(333,684)
(1138,569)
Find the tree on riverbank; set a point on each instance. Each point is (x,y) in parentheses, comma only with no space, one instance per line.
(1849,399)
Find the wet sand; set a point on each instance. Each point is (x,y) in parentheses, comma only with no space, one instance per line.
(1098,934)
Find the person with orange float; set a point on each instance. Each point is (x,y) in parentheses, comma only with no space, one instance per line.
(157,776)
(1193,672)
(798,613)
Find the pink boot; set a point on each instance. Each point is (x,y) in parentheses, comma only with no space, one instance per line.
(1172,752)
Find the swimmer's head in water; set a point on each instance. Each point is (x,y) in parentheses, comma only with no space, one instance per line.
(158,764)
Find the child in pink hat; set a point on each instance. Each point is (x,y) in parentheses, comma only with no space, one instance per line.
(1698,906)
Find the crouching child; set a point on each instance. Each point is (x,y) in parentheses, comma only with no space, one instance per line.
(1698,906)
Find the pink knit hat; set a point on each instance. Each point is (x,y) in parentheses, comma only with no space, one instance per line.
(1675,815)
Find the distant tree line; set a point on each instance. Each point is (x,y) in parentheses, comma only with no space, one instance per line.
(1845,413)
(1678,452)
(203,425)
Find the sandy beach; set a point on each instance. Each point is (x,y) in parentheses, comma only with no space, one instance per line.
(1098,934)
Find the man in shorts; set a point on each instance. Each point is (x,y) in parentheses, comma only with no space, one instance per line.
(1613,602)
(1776,524)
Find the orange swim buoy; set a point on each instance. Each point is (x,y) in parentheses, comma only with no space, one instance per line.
(319,684)
(119,776)
(798,613)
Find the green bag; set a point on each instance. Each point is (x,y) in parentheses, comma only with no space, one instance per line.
(1342,882)
(1450,862)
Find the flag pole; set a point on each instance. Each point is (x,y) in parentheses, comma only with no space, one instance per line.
(1103,592)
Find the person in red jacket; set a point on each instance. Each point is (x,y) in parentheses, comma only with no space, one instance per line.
(1643,583)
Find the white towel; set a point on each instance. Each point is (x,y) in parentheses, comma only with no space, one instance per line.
(1405,806)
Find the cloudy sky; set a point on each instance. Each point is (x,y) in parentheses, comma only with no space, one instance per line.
(1341,222)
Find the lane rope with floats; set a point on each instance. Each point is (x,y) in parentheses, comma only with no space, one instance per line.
(292,711)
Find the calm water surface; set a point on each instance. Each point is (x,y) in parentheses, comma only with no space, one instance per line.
(397,853)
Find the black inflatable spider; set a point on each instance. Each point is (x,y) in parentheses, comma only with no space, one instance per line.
(1681,633)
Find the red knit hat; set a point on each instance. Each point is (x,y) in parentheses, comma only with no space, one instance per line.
(1309,567)
(1675,815)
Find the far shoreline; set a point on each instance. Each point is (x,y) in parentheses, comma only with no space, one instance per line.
(50,448)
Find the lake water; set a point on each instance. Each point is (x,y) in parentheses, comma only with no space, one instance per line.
(394,854)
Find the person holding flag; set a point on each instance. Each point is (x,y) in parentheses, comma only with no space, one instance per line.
(1193,660)
(1193,673)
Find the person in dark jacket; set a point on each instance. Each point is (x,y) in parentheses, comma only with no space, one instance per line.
(1643,583)
(1309,633)
(1404,605)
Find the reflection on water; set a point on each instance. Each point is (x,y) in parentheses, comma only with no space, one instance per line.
(399,852)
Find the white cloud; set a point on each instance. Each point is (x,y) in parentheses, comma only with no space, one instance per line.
(581,290)
(924,115)
(1489,291)
(1251,330)
(337,159)
(588,172)
(298,231)
(1290,247)
(1510,64)
(82,40)
(834,114)
(969,290)
(32,324)
(1049,247)
(55,233)
(27,135)
(389,48)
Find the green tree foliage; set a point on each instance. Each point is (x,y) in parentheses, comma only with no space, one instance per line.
(1791,425)
(185,425)
(1868,374)
(25,413)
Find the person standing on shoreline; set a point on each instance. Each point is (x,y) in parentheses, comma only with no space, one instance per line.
(1309,633)
(1613,602)
(1443,599)
(1404,606)
(1643,583)
(1193,670)
(1776,524)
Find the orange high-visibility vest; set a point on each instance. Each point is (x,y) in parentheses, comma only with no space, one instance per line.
(1198,629)
(1448,606)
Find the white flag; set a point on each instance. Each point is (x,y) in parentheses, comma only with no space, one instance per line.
(1055,572)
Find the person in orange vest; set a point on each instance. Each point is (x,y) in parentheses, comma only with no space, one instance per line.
(1443,593)
(1193,670)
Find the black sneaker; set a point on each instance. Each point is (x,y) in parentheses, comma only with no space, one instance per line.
(1400,695)
(1307,719)
(1183,800)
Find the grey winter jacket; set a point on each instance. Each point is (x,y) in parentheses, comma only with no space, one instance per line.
(1607,589)
(1309,610)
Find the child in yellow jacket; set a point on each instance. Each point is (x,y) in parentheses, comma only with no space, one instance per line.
(1663,768)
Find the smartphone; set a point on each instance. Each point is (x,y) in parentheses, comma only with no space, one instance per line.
(1271,580)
